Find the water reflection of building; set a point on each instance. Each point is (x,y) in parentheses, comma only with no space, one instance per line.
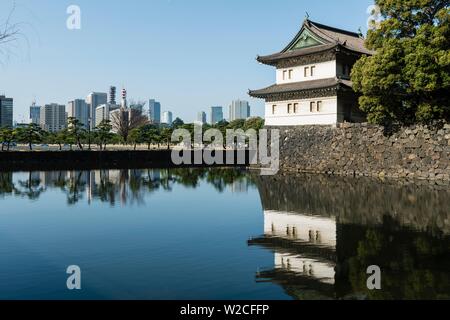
(304,249)
(240,186)
(325,232)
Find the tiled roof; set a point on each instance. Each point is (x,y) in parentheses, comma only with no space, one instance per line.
(331,37)
(300,86)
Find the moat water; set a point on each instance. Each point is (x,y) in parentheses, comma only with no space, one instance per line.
(220,234)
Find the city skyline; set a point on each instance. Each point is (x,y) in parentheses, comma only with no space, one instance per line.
(83,109)
(55,69)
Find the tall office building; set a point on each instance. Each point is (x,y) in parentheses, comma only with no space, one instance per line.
(201,117)
(154,111)
(112,95)
(79,110)
(6,111)
(94,100)
(138,106)
(216,115)
(239,110)
(53,117)
(103,112)
(35,113)
(167,118)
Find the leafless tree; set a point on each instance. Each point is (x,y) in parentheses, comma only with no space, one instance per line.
(10,33)
(125,120)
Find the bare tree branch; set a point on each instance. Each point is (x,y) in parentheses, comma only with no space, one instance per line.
(10,35)
(125,120)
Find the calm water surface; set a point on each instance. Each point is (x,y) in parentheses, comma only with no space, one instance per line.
(220,234)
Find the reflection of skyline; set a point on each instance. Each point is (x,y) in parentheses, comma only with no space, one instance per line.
(123,186)
(323,238)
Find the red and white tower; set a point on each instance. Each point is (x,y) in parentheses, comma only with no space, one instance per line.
(124,99)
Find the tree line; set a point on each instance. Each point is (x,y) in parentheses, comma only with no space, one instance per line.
(123,129)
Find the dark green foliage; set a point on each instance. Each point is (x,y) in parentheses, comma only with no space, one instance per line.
(407,80)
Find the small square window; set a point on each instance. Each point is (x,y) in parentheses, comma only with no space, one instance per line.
(306,72)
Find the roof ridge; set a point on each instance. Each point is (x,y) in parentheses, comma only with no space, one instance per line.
(338,30)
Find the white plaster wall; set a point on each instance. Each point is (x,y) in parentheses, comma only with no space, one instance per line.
(304,116)
(322,271)
(276,223)
(324,70)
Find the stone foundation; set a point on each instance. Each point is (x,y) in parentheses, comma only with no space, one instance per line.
(367,150)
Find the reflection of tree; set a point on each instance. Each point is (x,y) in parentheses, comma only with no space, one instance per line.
(105,189)
(6,183)
(188,178)
(415,265)
(220,178)
(75,188)
(126,184)
(30,188)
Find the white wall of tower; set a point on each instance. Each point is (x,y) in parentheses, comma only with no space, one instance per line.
(322,70)
(328,114)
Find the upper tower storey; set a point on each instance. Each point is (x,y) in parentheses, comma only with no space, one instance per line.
(317,52)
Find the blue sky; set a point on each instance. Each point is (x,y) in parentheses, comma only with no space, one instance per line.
(188,54)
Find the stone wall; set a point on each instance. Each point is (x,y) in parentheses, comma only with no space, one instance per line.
(367,150)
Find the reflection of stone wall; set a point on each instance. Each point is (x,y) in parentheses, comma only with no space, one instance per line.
(362,201)
(362,149)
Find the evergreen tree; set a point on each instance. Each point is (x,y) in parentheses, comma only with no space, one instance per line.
(407,80)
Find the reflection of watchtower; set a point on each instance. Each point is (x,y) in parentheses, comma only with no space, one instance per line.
(304,249)
(321,230)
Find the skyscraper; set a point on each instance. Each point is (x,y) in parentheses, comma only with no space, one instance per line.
(95,99)
(201,117)
(167,118)
(239,110)
(53,117)
(216,115)
(103,112)
(35,113)
(138,106)
(79,110)
(112,95)
(154,111)
(6,111)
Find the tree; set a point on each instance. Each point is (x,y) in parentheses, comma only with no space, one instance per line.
(60,138)
(407,80)
(166,135)
(236,124)
(7,136)
(149,135)
(30,134)
(9,33)
(177,123)
(125,120)
(104,135)
(135,137)
(76,130)
(255,123)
